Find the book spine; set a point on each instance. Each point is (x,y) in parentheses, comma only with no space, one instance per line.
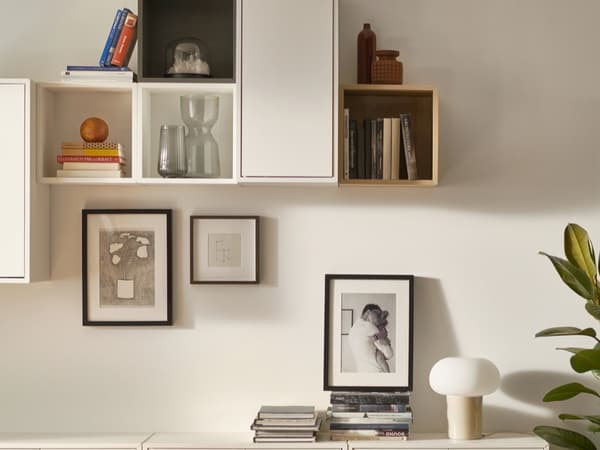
(109,39)
(369,399)
(88,159)
(360,152)
(71,68)
(395,172)
(373,148)
(125,42)
(346,144)
(369,426)
(368,407)
(387,149)
(91,152)
(91,166)
(409,147)
(367,147)
(115,39)
(380,149)
(353,150)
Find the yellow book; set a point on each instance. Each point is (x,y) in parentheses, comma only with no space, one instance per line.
(91,152)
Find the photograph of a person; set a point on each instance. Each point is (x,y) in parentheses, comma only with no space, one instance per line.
(368,332)
(368,345)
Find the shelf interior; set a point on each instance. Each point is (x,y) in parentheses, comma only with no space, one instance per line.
(161,107)
(163,22)
(61,110)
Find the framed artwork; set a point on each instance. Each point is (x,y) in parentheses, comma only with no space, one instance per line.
(127,267)
(224,249)
(368,333)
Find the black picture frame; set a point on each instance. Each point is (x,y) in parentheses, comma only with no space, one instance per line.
(248,229)
(119,221)
(397,291)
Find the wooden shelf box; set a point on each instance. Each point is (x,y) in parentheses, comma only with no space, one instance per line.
(162,22)
(368,101)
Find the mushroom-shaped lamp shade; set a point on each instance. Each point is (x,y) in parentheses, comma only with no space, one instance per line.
(464,381)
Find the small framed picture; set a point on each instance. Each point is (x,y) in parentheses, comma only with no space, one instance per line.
(368,333)
(224,249)
(126,267)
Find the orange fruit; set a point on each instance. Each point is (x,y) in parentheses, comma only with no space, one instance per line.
(94,129)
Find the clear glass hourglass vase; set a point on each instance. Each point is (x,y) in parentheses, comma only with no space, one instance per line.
(200,113)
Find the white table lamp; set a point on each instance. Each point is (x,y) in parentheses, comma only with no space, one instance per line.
(464,381)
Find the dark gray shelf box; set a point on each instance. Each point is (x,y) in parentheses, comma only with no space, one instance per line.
(163,21)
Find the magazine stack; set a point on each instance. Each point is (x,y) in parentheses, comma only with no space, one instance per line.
(369,415)
(286,424)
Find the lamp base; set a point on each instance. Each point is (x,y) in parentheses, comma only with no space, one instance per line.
(464,417)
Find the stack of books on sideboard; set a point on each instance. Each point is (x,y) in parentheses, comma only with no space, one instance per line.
(380,148)
(91,160)
(286,424)
(369,415)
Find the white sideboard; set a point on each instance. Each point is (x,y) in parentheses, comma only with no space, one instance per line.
(72,441)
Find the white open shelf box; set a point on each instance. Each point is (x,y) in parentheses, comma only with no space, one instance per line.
(61,107)
(159,105)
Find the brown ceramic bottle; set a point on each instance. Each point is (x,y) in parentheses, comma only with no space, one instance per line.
(365,44)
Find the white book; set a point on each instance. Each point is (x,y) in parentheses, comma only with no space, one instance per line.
(396,147)
(91,166)
(387,149)
(89,173)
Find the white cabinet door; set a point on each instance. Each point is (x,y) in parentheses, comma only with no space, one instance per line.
(287,88)
(12,180)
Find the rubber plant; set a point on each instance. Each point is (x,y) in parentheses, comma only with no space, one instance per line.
(579,271)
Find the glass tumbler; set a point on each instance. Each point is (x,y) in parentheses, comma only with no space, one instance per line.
(172,160)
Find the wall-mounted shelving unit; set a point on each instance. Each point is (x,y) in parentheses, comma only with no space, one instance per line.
(370,101)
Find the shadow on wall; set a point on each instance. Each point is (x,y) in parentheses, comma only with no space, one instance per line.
(433,339)
(529,387)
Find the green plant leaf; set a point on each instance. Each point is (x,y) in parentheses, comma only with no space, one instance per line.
(564,438)
(566,331)
(579,249)
(593,310)
(571,349)
(567,391)
(573,276)
(593,428)
(585,361)
(595,420)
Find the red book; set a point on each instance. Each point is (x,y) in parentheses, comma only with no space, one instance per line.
(126,41)
(89,159)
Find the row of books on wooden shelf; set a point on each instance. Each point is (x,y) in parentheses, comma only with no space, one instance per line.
(380,149)
(91,160)
(369,415)
(115,55)
(286,424)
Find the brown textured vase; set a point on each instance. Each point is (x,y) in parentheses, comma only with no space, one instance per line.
(386,70)
(366,45)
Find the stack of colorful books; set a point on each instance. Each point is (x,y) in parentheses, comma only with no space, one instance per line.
(286,424)
(369,415)
(115,56)
(91,160)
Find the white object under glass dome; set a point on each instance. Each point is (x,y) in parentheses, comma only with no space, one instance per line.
(187,57)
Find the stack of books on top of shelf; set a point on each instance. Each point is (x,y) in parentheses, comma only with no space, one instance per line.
(380,148)
(369,415)
(115,56)
(286,424)
(91,160)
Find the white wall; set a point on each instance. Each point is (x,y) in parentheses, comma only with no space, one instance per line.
(519,159)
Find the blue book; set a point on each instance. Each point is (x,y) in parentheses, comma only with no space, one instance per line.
(97,68)
(115,38)
(109,39)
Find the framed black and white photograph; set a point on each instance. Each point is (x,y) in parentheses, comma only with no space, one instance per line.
(224,250)
(368,332)
(126,266)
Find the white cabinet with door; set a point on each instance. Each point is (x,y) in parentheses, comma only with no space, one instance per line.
(289,91)
(24,255)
